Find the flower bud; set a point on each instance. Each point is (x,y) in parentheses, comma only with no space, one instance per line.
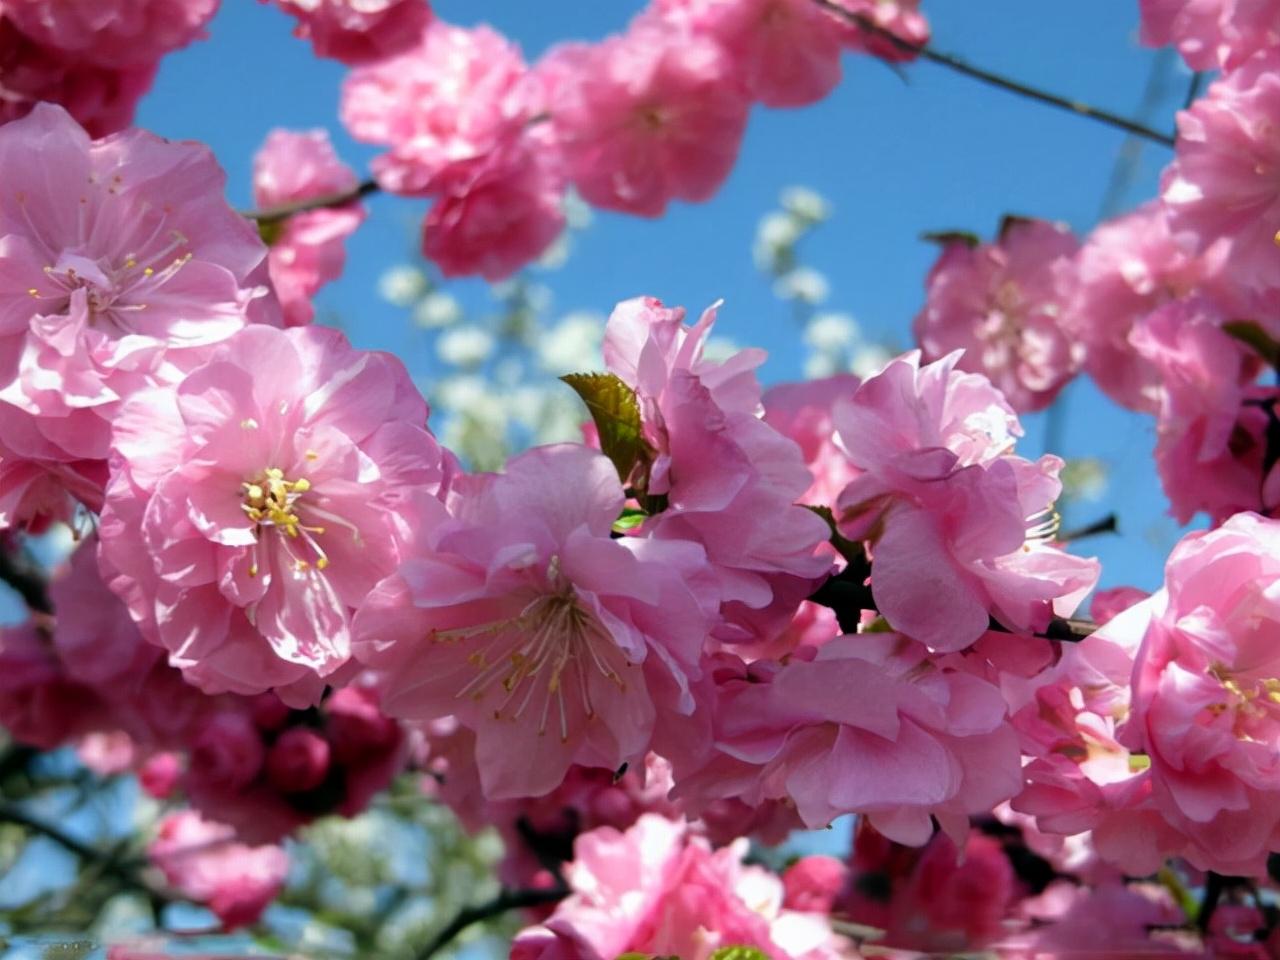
(356,727)
(228,751)
(159,775)
(298,761)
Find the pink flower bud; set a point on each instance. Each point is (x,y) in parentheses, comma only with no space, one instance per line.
(159,775)
(356,726)
(298,761)
(268,711)
(228,751)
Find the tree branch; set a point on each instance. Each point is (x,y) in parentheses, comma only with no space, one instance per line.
(958,65)
(105,860)
(26,579)
(286,210)
(504,901)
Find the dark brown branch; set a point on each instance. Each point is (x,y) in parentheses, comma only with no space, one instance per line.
(504,901)
(286,210)
(25,578)
(1107,524)
(958,65)
(105,860)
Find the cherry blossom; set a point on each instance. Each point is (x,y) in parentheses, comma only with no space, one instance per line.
(255,505)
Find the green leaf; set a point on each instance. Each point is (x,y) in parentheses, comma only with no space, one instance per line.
(630,519)
(851,551)
(271,231)
(1253,336)
(739,953)
(616,413)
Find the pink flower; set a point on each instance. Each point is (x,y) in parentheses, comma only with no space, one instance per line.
(308,252)
(255,505)
(786,51)
(1212,439)
(655,890)
(554,642)
(358,31)
(34,494)
(100,98)
(803,413)
(39,704)
(442,106)
(956,521)
(902,18)
(499,215)
(645,118)
(1222,183)
(1205,694)
(96,639)
(112,33)
(202,861)
(1126,269)
(716,463)
(944,897)
(1002,303)
(121,255)
(869,725)
(1211,33)
(813,883)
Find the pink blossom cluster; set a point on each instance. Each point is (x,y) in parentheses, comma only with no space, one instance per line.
(1169,308)
(94,57)
(640,119)
(203,861)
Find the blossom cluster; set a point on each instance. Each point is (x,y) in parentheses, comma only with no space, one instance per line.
(724,614)
(640,119)
(1170,308)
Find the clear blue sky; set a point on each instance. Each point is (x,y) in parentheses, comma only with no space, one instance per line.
(897,155)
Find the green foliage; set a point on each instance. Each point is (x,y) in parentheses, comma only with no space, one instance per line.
(616,413)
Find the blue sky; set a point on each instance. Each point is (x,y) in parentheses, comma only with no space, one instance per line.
(898,153)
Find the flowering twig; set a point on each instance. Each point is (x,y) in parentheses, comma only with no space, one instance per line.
(286,210)
(504,901)
(952,62)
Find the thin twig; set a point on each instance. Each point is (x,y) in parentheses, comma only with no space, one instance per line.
(286,210)
(955,63)
(1107,524)
(1193,89)
(504,901)
(108,861)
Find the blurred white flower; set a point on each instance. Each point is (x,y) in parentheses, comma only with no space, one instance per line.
(819,365)
(556,255)
(806,203)
(572,345)
(465,346)
(804,284)
(437,309)
(402,284)
(719,349)
(577,213)
(831,332)
(869,359)
(509,372)
(776,233)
